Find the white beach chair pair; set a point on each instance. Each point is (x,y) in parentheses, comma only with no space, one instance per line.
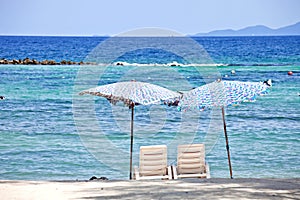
(190,163)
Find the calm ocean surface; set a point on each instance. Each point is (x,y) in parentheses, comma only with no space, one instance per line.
(40,140)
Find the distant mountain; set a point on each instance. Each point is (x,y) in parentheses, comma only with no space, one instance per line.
(258,30)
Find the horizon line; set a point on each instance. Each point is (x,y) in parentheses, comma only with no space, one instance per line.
(108,36)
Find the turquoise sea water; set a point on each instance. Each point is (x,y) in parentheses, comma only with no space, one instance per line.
(40,140)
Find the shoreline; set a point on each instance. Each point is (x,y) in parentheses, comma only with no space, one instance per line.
(215,188)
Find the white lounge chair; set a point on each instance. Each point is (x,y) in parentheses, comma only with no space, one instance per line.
(153,163)
(191,162)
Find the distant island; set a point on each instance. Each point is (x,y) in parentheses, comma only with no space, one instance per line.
(258,30)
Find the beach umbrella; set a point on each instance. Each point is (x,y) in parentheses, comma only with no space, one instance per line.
(221,94)
(134,93)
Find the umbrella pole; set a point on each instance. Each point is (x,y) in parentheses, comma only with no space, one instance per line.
(131,140)
(227,143)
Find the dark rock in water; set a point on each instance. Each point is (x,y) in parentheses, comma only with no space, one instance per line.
(44,62)
(63,62)
(15,62)
(52,62)
(120,64)
(93,178)
(28,61)
(101,178)
(35,62)
(2,97)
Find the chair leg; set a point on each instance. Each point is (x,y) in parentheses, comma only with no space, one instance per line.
(136,175)
(207,170)
(174,172)
(170,172)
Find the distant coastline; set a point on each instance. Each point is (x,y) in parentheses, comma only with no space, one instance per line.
(259,30)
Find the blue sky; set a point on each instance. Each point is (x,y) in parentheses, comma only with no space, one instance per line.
(110,17)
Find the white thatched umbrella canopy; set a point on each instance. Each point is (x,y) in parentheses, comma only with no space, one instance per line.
(133,93)
(221,94)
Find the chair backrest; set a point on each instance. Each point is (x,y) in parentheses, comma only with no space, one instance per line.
(191,159)
(153,160)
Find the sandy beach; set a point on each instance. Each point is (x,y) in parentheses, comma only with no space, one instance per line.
(173,189)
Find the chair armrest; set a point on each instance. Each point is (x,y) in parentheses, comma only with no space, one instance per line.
(136,175)
(174,169)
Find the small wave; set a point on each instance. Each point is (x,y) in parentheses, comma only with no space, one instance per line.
(259,64)
(177,64)
(171,64)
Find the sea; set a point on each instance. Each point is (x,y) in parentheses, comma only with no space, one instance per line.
(49,132)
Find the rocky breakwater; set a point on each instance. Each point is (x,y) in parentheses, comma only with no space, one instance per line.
(28,61)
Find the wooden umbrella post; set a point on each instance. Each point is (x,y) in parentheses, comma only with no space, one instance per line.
(131,139)
(227,143)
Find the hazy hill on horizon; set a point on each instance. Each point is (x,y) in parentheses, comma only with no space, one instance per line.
(259,30)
